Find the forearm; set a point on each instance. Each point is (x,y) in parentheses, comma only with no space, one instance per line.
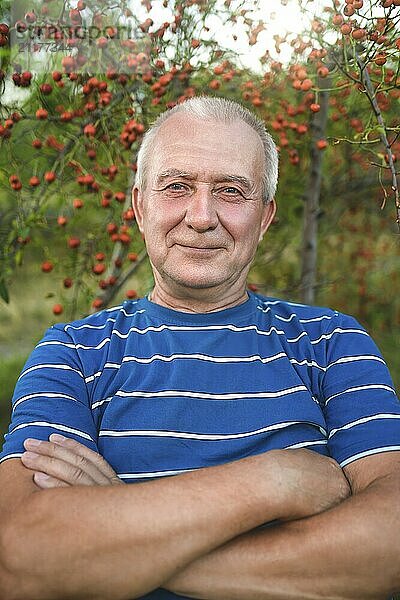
(348,552)
(121,542)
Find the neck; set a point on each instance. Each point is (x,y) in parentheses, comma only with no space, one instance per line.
(196,302)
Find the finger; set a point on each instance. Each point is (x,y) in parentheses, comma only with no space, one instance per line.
(46,482)
(68,455)
(58,468)
(94,457)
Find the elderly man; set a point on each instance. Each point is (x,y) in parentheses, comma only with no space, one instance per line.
(263,437)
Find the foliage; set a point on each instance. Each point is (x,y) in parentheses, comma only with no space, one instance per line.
(68,148)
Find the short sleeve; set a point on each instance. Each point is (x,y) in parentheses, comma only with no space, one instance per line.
(50,397)
(360,405)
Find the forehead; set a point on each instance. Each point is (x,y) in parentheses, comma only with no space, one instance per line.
(207,147)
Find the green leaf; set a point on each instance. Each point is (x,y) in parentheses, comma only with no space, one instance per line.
(4,292)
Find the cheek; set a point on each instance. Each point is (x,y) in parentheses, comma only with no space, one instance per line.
(244,229)
(159,220)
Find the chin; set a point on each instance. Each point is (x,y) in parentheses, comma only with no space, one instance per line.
(197,281)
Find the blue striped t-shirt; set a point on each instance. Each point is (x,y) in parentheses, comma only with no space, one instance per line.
(160,392)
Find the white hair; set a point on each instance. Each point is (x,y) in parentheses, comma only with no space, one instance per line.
(217,109)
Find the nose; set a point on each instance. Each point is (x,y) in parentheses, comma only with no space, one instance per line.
(201,214)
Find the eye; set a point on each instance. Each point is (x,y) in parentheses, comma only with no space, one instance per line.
(176,189)
(229,191)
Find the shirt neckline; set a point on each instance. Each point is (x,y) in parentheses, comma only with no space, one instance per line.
(219,317)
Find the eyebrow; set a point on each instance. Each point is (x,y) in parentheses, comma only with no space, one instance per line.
(219,178)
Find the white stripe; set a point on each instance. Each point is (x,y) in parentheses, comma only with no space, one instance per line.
(75,346)
(347,359)
(202,436)
(304,444)
(296,339)
(88,326)
(14,455)
(282,302)
(211,359)
(200,395)
(92,377)
(364,420)
(204,357)
(327,336)
(317,318)
(293,315)
(44,395)
(53,425)
(109,320)
(100,402)
(286,320)
(378,386)
(153,474)
(50,366)
(369,453)
(310,363)
(200,329)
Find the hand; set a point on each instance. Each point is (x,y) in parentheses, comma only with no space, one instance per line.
(307,482)
(63,462)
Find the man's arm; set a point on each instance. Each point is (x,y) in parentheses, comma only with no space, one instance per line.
(351,551)
(123,541)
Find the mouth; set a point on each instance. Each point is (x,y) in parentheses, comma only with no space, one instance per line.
(190,248)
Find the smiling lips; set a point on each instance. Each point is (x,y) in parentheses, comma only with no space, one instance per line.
(199,248)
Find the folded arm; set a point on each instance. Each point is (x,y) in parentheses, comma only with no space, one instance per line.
(349,552)
(121,541)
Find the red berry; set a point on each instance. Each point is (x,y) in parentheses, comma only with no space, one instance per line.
(57,75)
(62,221)
(46,88)
(42,114)
(321,144)
(124,238)
(132,256)
(77,203)
(58,309)
(97,303)
(34,181)
(30,17)
(74,242)
(49,176)
(47,266)
(131,294)
(36,143)
(67,283)
(100,256)
(99,268)
(89,130)
(13,179)
(26,77)
(66,116)
(120,196)
(112,228)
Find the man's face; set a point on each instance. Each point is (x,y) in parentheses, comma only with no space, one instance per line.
(202,213)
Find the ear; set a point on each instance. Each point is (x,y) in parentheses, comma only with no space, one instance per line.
(137,205)
(268,214)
